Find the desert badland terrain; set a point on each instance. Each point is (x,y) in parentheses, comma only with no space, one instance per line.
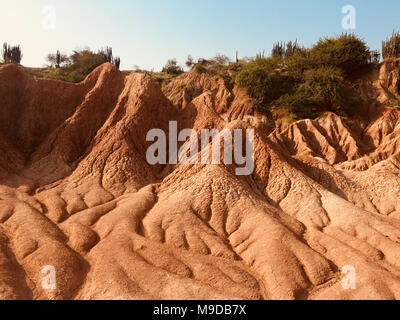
(77,193)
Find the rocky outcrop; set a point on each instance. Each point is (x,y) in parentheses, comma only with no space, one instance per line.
(77,193)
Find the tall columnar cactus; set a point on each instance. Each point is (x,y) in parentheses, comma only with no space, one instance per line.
(391,47)
(285,50)
(11,54)
(117,61)
(107,54)
(278,49)
(291,48)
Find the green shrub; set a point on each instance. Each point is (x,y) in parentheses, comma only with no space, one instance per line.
(221,59)
(171,67)
(74,76)
(77,66)
(189,61)
(308,81)
(346,52)
(395,104)
(323,89)
(299,104)
(85,61)
(324,85)
(200,68)
(298,63)
(264,81)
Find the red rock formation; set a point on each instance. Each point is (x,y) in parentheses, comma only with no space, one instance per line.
(77,193)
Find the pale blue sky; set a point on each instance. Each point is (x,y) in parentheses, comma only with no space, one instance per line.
(148,32)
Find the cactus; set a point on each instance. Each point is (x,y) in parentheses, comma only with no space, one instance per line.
(107,54)
(260,55)
(11,54)
(117,62)
(285,50)
(291,48)
(391,47)
(58,59)
(278,49)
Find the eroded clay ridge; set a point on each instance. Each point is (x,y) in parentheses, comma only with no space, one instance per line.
(77,193)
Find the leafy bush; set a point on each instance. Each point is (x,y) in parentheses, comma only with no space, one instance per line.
(395,104)
(77,66)
(221,59)
(298,63)
(299,104)
(346,52)
(85,61)
(263,81)
(172,67)
(189,62)
(323,89)
(200,68)
(308,81)
(325,86)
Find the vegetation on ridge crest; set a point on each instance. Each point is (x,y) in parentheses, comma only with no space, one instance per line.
(301,81)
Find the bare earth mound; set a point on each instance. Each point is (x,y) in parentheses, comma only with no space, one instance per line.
(77,193)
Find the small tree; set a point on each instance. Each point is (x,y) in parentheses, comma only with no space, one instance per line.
(189,62)
(85,61)
(221,59)
(172,67)
(58,59)
(11,54)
